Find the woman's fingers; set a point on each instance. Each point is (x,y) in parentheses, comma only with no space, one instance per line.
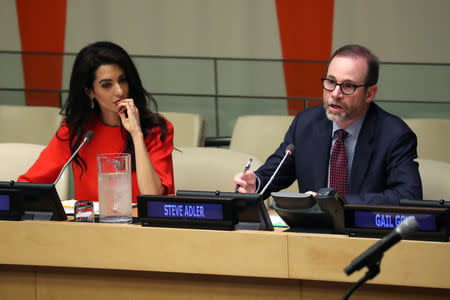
(129,115)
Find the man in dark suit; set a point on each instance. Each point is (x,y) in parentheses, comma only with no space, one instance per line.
(371,162)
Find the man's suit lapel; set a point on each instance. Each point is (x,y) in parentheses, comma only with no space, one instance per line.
(322,144)
(363,151)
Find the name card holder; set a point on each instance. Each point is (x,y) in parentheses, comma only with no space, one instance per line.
(187,212)
(377,221)
(204,210)
(11,204)
(30,201)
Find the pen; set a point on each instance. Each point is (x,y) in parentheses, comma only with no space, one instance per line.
(247,167)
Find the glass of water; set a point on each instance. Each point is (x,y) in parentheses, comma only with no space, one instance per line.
(114,187)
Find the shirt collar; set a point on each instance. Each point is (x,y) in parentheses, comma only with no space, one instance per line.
(352,130)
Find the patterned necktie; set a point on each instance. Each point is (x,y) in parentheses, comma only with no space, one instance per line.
(338,167)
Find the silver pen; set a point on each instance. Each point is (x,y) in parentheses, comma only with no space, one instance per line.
(246,168)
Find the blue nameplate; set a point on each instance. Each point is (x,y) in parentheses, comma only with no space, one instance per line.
(183,210)
(387,220)
(4,202)
(187,212)
(364,220)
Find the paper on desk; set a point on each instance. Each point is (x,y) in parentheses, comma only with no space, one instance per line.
(70,204)
(277,221)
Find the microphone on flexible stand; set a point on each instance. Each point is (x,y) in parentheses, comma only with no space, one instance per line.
(265,223)
(289,151)
(86,139)
(372,256)
(408,225)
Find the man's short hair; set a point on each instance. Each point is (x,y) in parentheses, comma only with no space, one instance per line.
(360,51)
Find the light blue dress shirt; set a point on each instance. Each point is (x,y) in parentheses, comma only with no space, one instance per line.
(350,144)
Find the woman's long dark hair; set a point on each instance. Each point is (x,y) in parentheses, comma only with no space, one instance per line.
(77,110)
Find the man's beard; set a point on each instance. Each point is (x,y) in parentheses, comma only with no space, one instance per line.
(346,114)
(335,116)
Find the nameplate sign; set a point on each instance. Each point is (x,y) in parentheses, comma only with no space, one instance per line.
(183,210)
(187,212)
(364,220)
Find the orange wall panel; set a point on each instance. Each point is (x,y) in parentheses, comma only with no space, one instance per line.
(306,34)
(42,27)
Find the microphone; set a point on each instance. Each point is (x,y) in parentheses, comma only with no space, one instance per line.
(375,252)
(86,139)
(289,150)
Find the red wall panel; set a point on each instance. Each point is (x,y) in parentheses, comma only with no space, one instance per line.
(42,27)
(305,34)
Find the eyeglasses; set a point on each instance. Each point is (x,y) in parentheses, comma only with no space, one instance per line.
(346,88)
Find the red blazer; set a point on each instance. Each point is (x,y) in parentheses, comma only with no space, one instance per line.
(106,140)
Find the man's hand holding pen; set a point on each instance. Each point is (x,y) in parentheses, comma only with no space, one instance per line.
(246,181)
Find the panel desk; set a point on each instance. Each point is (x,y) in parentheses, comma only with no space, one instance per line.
(67,260)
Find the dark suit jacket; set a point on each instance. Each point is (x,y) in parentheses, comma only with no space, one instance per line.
(383,170)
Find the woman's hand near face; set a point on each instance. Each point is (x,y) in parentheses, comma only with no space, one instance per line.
(129,115)
(148,180)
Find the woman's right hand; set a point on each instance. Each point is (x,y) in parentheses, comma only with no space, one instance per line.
(129,115)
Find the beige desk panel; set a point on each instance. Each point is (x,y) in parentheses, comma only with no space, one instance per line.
(118,285)
(112,261)
(408,263)
(17,282)
(132,247)
(320,290)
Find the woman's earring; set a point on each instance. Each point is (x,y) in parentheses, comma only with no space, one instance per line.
(92,103)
